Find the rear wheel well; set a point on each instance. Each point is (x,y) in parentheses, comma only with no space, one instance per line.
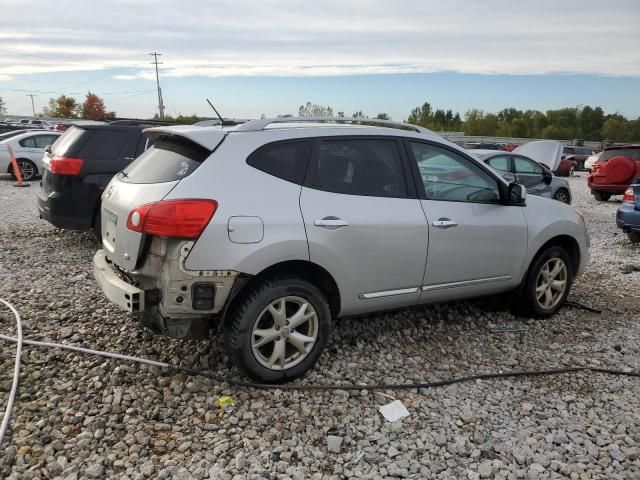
(309,271)
(569,244)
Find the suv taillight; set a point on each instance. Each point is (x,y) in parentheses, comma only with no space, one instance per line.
(629,196)
(185,218)
(65,166)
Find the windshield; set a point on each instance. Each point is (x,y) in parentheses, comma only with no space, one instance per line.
(632,153)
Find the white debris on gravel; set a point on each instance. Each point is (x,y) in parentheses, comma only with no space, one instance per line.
(78,416)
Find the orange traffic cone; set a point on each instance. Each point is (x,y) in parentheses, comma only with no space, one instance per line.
(16,169)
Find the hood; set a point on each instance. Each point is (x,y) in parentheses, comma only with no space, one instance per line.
(547,152)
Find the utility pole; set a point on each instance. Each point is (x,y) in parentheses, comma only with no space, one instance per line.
(160,104)
(32,104)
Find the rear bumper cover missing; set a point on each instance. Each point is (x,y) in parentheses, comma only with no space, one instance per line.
(115,289)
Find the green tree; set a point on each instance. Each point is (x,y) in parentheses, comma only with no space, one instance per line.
(314,110)
(62,107)
(476,122)
(3,107)
(358,114)
(616,128)
(383,116)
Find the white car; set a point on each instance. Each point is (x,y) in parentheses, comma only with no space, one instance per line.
(28,148)
(591,159)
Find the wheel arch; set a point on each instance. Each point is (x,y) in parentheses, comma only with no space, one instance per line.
(309,271)
(569,244)
(18,159)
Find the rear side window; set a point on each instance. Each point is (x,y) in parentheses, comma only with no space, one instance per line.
(167,161)
(524,165)
(501,162)
(287,161)
(28,142)
(104,145)
(43,141)
(360,167)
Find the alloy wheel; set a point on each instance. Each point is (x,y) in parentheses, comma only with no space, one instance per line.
(27,172)
(284,333)
(551,283)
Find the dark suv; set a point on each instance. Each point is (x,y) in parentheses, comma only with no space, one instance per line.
(79,166)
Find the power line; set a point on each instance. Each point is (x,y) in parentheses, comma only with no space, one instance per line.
(75,93)
(160,105)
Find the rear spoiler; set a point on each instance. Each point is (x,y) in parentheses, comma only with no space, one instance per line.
(208,138)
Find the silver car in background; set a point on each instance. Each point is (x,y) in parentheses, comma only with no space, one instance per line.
(272,229)
(536,177)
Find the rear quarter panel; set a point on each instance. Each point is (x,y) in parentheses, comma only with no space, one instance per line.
(242,190)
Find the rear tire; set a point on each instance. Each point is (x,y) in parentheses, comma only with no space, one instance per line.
(546,285)
(601,196)
(634,237)
(277,331)
(562,195)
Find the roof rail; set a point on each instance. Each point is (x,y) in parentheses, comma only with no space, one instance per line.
(261,124)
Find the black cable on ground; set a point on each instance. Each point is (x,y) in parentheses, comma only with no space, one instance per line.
(574,304)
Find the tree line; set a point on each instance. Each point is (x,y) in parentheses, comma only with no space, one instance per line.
(92,108)
(582,122)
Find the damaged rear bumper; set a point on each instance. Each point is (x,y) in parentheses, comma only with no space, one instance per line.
(115,289)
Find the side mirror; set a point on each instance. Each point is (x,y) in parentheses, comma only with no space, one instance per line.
(517,194)
(547,177)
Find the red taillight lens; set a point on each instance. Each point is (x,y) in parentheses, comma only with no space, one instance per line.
(629,196)
(65,166)
(172,218)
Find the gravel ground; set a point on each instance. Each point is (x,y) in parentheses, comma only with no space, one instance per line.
(79,416)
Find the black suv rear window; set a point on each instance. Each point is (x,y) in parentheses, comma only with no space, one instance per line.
(287,160)
(169,159)
(104,144)
(62,147)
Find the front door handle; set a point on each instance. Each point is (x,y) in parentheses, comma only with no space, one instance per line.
(331,222)
(444,223)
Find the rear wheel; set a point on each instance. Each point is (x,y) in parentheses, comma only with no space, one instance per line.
(563,196)
(634,237)
(547,284)
(278,330)
(601,196)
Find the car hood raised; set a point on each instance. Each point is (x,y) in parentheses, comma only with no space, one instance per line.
(547,152)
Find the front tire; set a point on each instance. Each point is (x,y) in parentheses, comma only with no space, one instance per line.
(563,196)
(547,284)
(28,169)
(278,330)
(601,196)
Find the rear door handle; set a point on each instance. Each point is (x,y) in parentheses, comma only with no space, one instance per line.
(331,222)
(444,223)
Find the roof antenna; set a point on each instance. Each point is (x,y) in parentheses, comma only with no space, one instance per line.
(214,109)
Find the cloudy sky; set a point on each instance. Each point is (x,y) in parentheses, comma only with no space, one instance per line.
(269,56)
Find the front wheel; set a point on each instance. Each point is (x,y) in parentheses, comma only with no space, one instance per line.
(562,196)
(547,284)
(28,169)
(601,196)
(634,237)
(278,330)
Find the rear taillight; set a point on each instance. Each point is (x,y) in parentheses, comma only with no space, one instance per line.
(629,196)
(172,218)
(65,166)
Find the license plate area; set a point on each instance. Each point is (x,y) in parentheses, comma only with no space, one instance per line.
(110,223)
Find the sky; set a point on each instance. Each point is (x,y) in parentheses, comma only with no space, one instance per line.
(255,57)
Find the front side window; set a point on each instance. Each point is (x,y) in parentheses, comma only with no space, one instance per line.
(367,167)
(500,162)
(524,165)
(287,161)
(451,177)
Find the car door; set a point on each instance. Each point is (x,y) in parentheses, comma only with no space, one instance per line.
(477,245)
(530,174)
(364,222)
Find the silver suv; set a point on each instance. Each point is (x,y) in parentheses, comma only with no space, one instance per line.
(273,228)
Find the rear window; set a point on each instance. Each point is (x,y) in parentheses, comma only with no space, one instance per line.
(63,145)
(633,153)
(167,161)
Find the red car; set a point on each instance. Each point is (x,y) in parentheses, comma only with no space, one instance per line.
(566,168)
(614,171)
